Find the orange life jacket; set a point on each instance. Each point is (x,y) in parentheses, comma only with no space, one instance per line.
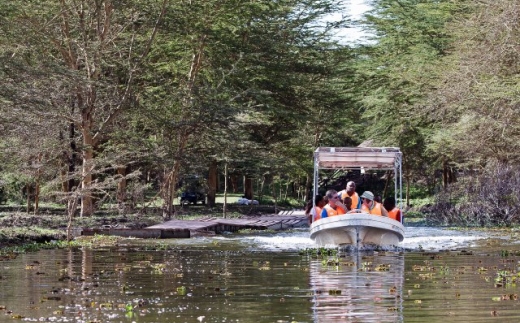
(376,209)
(395,214)
(354,197)
(329,211)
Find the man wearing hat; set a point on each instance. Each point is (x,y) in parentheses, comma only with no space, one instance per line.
(370,206)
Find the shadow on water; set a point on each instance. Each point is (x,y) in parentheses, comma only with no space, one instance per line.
(457,277)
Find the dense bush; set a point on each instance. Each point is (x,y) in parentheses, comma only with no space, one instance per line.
(489,198)
(13,188)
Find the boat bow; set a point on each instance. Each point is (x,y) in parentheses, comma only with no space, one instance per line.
(357,229)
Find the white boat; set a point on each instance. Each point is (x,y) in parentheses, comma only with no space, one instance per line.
(358,229)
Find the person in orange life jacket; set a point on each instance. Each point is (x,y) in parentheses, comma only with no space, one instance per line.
(393,211)
(314,213)
(370,206)
(350,191)
(334,207)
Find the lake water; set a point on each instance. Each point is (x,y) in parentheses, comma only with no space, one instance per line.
(442,275)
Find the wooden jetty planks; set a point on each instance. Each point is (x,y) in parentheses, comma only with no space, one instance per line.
(276,222)
(189,228)
(184,224)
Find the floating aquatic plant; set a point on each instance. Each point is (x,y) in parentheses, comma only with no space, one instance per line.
(382,267)
(330,262)
(506,278)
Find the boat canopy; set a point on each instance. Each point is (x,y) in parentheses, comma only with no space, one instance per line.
(362,158)
(357,158)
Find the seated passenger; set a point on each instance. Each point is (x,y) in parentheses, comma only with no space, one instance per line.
(314,213)
(334,207)
(347,201)
(393,211)
(350,191)
(370,206)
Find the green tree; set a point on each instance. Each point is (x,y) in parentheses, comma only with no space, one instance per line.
(74,63)
(397,71)
(246,68)
(477,99)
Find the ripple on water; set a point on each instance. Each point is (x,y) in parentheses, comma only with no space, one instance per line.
(416,238)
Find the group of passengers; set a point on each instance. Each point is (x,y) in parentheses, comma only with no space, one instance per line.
(348,201)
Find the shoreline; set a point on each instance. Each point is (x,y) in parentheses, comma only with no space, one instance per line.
(18,228)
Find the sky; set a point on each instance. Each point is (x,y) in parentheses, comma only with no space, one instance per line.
(354,10)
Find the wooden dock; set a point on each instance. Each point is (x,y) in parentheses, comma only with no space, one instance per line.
(208,226)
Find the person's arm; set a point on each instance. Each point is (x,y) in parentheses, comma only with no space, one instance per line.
(358,206)
(342,206)
(384,212)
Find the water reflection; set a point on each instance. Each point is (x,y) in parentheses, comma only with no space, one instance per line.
(362,288)
(264,278)
(193,284)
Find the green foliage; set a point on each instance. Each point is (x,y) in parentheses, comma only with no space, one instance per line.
(476,101)
(13,187)
(417,191)
(395,73)
(169,87)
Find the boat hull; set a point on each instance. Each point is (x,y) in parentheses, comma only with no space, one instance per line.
(357,229)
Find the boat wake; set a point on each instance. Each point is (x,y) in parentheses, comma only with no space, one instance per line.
(416,239)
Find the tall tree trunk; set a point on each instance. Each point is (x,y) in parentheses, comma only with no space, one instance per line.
(280,189)
(63,167)
(408,177)
(121,186)
(308,188)
(28,189)
(261,190)
(273,190)
(248,187)
(169,187)
(170,184)
(165,191)
(387,182)
(224,206)
(73,157)
(87,205)
(452,176)
(234,182)
(445,174)
(72,205)
(212,183)
(64,181)
(184,134)
(37,185)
